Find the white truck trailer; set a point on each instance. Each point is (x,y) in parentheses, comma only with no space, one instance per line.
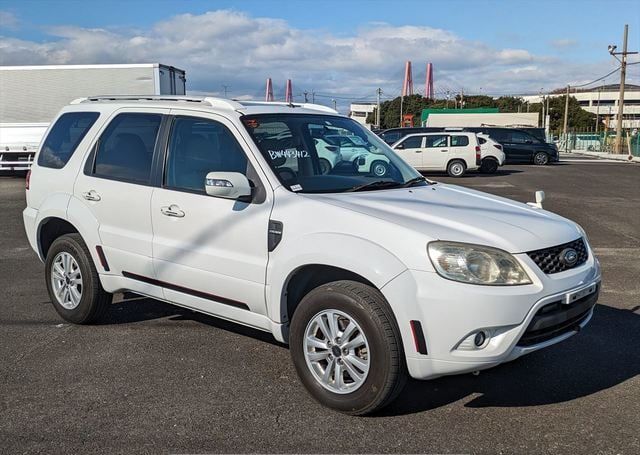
(31,96)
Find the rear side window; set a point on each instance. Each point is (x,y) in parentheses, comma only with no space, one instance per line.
(125,149)
(459,141)
(436,140)
(64,137)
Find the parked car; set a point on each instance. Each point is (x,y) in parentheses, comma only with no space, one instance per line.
(454,152)
(329,155)
(519,146)
(393,135)
(222,207)
(491,154)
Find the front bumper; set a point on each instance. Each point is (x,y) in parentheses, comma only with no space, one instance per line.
(512,317)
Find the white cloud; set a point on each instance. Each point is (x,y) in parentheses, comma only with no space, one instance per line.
(233,48)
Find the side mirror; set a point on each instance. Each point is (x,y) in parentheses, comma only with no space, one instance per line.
(228,185)
(399,146)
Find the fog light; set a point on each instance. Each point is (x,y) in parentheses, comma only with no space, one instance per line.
(475,341)
(479,339)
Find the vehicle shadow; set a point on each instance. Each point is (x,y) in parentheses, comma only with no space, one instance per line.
(605,354)
(136,309)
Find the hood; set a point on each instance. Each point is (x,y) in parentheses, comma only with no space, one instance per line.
(449,212)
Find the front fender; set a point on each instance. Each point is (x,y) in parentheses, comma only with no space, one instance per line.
(356,254)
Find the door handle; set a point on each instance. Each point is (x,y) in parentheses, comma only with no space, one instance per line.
(444,151)
(172,210)
(418,151)
(91,195)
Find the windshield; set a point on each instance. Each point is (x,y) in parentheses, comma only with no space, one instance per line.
(326,154)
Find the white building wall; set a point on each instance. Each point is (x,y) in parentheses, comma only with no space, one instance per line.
(608,108)
(360,111)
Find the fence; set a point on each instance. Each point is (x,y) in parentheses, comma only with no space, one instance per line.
(600,142)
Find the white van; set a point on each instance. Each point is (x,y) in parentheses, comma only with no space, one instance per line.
(454,152)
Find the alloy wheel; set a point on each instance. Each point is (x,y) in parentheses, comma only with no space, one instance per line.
(336,351)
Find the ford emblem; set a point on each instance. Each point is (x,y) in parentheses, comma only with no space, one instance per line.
(568,257)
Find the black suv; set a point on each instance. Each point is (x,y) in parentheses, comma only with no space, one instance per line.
(519,146)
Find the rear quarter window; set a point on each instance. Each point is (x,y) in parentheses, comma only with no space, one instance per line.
(459,141)
(64,137)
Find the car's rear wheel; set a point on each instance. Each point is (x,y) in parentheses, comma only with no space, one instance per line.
(72,281)
(489,166)
(325,166)
(379,168)
(346,347)
(456,168)
(540,159)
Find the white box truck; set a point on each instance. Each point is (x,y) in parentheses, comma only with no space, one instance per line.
(31,96)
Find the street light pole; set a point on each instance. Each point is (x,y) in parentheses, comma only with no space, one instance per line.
(378,92)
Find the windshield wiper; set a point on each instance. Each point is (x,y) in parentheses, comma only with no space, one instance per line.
(413,181)
(375,185)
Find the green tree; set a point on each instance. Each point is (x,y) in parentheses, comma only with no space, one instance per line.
(579,119)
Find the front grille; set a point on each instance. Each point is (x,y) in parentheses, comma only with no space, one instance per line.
(557,318)
(549,259)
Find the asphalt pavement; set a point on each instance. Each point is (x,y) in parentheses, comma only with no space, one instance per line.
(153,378)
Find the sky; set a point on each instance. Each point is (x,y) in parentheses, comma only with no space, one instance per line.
(341,50)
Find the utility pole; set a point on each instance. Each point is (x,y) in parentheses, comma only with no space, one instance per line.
(623,73)
(378,92)
(335,108)
(313,96)
(401,106)
(598,109)
(306,98)
(448,95)
(226,89)
(566,121)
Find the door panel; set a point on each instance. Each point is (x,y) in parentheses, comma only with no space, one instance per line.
(214,248)
(115,187)
(412,152)
(436,152)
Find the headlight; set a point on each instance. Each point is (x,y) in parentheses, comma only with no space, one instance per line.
(476,264)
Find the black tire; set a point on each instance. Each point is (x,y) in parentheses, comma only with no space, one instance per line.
(325,166)
(456,168)
(94,300)
(379,168)
(488,166)
(540,159)
(365,305)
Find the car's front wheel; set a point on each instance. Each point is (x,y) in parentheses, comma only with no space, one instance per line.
(72,281)
(346,347)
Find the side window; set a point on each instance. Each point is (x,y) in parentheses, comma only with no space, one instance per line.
(64,137)
(521,138)
(482,140)
(414,142)
(437,140)
(459,141)
(391,137)
(199,146)
(125,149)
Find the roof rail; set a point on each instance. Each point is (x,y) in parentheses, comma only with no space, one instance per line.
(211,101)
(311,106)
(220,103)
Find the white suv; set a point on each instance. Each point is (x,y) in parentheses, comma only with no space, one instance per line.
(454,152)
(223,207)
(491,154)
